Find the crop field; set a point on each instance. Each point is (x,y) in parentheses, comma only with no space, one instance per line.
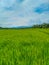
(24,46)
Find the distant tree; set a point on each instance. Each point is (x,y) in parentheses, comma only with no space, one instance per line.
(0,27)
(44,25)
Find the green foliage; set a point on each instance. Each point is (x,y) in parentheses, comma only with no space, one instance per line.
(44,25)
(24,46)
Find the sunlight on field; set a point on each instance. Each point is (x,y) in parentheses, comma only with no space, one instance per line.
(24,46)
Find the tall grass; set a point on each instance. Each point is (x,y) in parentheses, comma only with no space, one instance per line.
(24,47)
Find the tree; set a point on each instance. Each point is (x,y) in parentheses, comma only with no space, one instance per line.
(44,25)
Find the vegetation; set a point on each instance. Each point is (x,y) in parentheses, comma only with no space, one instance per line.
(24,46)
(44,25)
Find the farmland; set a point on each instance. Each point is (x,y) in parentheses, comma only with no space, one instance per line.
(24,46)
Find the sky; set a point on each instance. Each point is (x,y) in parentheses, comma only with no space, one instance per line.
(15,13)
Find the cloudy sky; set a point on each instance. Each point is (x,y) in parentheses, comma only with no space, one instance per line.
(15,13)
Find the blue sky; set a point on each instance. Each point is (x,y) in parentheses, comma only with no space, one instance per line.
(15,13)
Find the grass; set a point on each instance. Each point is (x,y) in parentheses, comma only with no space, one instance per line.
(24,46)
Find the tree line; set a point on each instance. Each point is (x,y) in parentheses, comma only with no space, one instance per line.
(44,25)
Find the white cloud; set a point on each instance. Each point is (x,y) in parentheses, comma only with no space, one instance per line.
(14,13)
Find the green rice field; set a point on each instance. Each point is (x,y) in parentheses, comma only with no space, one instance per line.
(24,46)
